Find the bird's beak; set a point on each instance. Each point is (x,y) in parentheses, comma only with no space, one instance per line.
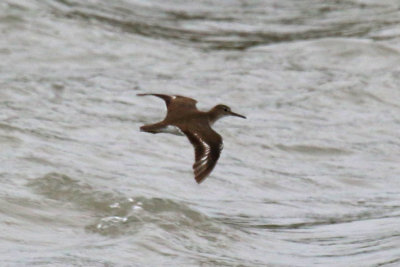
(237,115)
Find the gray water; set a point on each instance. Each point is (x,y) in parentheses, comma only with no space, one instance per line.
(311,178)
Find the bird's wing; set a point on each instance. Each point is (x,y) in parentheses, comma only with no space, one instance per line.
(207,147)
(176,102)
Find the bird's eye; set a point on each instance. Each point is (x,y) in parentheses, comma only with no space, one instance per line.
(225,109)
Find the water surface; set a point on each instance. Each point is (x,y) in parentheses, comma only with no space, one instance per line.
(310,178)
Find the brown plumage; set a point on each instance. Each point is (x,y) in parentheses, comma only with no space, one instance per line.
(196,125)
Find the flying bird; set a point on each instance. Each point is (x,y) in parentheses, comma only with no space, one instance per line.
(183,118)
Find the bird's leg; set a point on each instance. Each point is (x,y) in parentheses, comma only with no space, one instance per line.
(153,128)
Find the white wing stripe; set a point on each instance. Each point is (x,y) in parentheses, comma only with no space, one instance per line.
(202,163)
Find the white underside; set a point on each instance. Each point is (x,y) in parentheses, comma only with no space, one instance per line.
(171,130)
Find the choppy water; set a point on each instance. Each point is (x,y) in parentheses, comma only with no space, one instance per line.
(312,177)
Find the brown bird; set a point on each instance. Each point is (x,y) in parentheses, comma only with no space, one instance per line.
(184,118)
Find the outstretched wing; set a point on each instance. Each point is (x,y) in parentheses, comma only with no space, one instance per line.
(207,147)
(176,102)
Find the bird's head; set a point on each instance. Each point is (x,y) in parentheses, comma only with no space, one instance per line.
(223,110)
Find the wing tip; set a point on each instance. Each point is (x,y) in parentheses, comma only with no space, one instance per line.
(202,175)
(199,179)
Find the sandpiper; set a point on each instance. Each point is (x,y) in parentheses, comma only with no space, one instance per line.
(185,119)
